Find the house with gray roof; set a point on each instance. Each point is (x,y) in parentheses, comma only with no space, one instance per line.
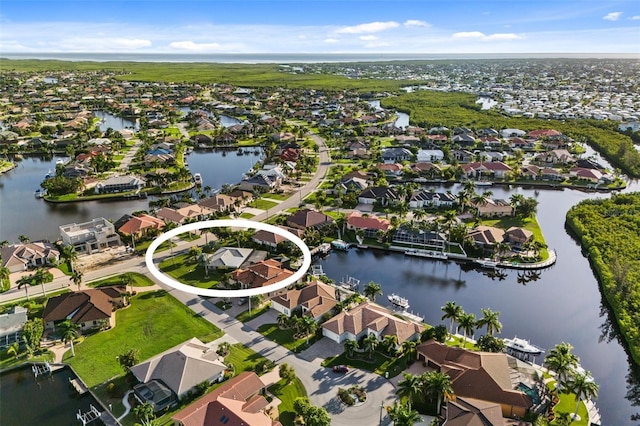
(11,324)
(119,184)
(182,367)
(233,258)
(20,257)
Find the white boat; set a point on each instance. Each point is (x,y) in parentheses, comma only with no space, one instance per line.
(398,301)
(486,263)
(427,253)
(59,161)
(40,193)
(522,349)
(340,245)
(197,178)
(483,183)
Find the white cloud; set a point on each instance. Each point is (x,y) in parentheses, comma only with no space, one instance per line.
(613,16)
(416,23)
(192,46)
(635,18)
(378,44)
(368,38)
(331,40)
(477,35)
(372,27)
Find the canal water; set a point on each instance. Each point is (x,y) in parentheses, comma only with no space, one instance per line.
(108,120)
(23,214)
(563,304)
(56,401)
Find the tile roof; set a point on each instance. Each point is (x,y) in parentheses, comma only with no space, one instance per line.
(306,218)
(137,223)
(261,274)
(317,297)
(82,306)
(356,220)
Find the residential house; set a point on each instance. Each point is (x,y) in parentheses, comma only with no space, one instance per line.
(368,318)
(530,171)
(427,169)
(425,238)
(11,324)
(427,199)
(233,258)
(181,368)
(261,274)
(267,238)
(592,175)
(464,140)
(396,155)
(517,236)
(480,375)
(391,170)
(138,226)
(471,411)
(90,237)
(371,225)
(429,155)
(556,156)
(486,236)
(219,202)
(307,218)
(512,133)
(119,184)
(20,257)
(493,208)
(259,182)
(494,169)
(315,299)
(381,194)
(238,401)
(549,173)
(88,308)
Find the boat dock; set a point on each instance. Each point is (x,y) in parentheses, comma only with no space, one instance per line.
(88,417)
(350,283)
(41,369)
(78,386)
(323,248)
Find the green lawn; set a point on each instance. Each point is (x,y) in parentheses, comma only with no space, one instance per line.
(274,196)
(255,312)
(7,360)
(287,394)
(530,224)
(380,364)
(246,215)
(262,204)
(243,358)
(154,322)
(190,273)
(567,404)
(143,246)
(139,280)
(286,337)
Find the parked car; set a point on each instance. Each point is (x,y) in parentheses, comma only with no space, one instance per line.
(242,301)
(340,369)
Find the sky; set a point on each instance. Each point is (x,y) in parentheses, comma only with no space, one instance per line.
(320,26)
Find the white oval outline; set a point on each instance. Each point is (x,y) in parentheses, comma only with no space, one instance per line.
(236,223)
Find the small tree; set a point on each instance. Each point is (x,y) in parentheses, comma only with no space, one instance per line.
(144,412)
(128,359)
(350,346)
(372,289)
(32,334)
(287,373)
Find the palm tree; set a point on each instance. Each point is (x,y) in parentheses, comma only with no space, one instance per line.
(372,289)
(490,320)
(128,280)
(389,343)
(41,277)
(453,312)
(76,277)
(69,254)
(583,386)
(283,320)
(371,342)
(68,331)
(25,281)
(4,276)
(561,360)
(309,326)
(341,221)
(402,416)
(409,349)
(468,325)
(24,239)
(469,186)
(350,346)
(410,389)
(438,385)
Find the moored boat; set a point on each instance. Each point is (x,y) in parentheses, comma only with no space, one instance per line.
(40,193)
(340,245)
(427,253)
(486,263)
(398,301)
(522,349)
(197,178)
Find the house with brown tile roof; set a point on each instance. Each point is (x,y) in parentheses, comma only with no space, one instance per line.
(140,225)
(236,402)
(472,412)
(370,224)
(517,236)
(85,308)
(493,208)
(306,218)
(486,236)
(20,257)
(267,238)
(314,299)
(481,375)
(261,274)
(168,214)
(368,318)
